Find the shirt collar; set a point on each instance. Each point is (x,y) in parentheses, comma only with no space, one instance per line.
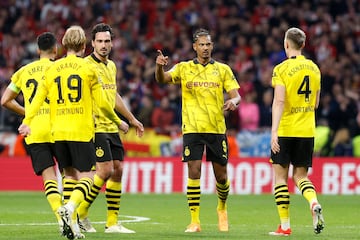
(212,61)
(96,59)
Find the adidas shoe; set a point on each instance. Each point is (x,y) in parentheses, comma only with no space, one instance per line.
(65,215)
(281,232)
(76,230)
(85,226)
(318,219)
(193,227)
(118,229)
(223,221)
(61,228)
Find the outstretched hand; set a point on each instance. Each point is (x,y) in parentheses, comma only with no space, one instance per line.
(161,59)
(275,146)
(124,127)
(24,130)
(230,105)
(139,127)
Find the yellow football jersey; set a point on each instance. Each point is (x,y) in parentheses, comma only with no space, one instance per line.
(27,79)
(72,85)
(107,79)
(203,89)
(301,78)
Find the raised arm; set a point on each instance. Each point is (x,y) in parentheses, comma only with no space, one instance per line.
(160,75)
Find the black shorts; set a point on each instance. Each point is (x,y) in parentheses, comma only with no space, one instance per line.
(295,150)
(80,155)
(216,147)
(108,147)
(42,156)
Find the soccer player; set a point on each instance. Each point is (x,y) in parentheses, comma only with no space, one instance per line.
(72,86)
(203,82)
(296,83)
(109,148)
(39,143)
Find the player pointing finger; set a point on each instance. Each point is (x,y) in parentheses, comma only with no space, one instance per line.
(161,59)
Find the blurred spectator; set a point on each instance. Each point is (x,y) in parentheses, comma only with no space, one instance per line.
(249,114)
(265,109)
(163,119)
(145,111)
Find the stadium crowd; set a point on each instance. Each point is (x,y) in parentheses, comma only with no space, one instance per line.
(248,35)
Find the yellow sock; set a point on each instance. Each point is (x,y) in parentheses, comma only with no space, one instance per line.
(113,197)
(68,187)
(53,196)
(193,198)
(282,200)
(222,193)
(308,190)
(80,191)
(83,209)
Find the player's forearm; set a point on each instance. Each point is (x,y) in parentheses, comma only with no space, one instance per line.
(277,110)
(14,106)
(159,74)
(121,108)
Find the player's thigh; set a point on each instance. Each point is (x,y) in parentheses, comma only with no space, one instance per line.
(217,149)
(193,147)
(80,155)
(108,146)
(42,156)
(283,157)
(303,152)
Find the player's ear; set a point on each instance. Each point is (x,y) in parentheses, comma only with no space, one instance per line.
(194,46)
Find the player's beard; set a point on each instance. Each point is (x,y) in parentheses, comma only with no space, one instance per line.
(104,53)
(206,55)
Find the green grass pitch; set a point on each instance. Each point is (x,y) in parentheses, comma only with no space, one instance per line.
(27,215)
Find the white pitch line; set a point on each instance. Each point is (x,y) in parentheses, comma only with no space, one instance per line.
(131,219)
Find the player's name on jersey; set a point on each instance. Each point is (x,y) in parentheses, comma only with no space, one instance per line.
(35,69)
(69,111)
(300,67)
(302,109)
(72,65)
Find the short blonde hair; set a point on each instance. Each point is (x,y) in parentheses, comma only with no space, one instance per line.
(296,36)
(74,38)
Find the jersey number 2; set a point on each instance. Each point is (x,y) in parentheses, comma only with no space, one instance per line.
(35,84)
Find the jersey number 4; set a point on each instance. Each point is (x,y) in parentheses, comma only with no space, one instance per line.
(305,88)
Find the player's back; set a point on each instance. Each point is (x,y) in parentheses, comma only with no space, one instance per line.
(301,78)
(28,78)
(71,83)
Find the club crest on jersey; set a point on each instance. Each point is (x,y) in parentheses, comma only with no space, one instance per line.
(99,152)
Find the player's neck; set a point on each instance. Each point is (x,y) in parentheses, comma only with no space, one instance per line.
(293,53)
(48,56)
(72,52)
(203,61)
(101,58)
